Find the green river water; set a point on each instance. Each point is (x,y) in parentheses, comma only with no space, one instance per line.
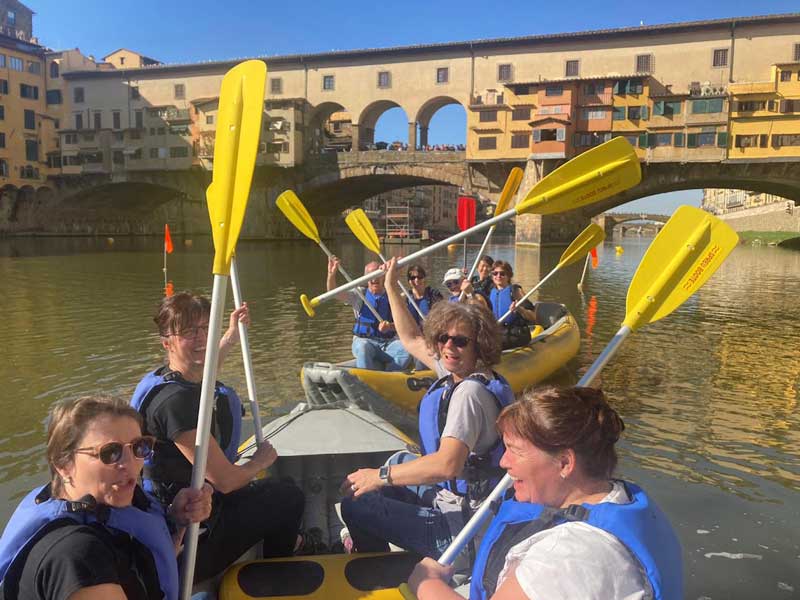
(709,395)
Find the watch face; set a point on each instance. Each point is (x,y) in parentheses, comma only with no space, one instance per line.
(383,472)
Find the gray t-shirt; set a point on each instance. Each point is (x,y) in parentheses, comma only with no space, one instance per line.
(471,419)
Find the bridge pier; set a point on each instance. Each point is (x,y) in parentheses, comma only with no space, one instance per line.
(412,137)
(423,136)
(546,230)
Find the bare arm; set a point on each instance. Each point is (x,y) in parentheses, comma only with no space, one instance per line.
(231,336)
(223,475)
(330,280)
(407,329)
(105,591)
(528,314)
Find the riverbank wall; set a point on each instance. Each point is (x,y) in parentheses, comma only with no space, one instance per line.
(778,217)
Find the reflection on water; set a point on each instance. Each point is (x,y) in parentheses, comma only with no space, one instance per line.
(709,394)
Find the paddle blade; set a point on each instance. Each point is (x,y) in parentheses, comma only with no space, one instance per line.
(168,247)
(466,212)
(509,189)
(241,106)
(597,174)
(291,207)
(681,258)
(586,241)
(362,228)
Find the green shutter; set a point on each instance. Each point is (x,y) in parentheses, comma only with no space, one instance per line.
(715,105)
(722,139)
(616,87)
(645,112)
(699,106)
(678,140)
(642,140)
(658,108)
(691,140)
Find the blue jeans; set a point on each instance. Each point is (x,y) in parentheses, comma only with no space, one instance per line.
(403,516)
(380,355)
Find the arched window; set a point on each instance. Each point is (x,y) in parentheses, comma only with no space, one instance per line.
(54,70)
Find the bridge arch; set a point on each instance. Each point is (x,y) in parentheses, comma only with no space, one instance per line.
(369,118)
(428,110)
(315,140)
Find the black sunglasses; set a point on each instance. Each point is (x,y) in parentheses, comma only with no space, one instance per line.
(499,273)
(112,452)
(413,277)
(459,341)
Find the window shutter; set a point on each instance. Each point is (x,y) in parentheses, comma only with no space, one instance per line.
(561,134)
(678,140)
(722,139)
(616,87)
(576,139)
(645,112)
(642,140)
(691,140)
(763,140)
(658,108)
(537,135)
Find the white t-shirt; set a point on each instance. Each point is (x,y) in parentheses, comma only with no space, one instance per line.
(577,560)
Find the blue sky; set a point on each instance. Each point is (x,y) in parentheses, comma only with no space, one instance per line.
(205,30)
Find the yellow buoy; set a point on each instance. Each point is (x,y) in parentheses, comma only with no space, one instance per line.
(110,241)
(619,250)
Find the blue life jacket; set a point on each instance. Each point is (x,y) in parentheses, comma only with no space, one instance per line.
(39,513)
(429,296)
(149,387)
(481,472)
(501,301)
(366,324)
(641,526)
(454,298)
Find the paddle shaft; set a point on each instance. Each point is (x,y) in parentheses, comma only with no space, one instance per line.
(408,294)
(478,258)
(204,425)
(345,274)
(530,292)
(415,255)
(485,511)
(585,264)
(248,363)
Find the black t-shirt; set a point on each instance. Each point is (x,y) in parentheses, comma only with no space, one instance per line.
(172,411)
(74,557)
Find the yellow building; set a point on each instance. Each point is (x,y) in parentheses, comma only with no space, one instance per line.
(128,59)
(765,116)
(725,201)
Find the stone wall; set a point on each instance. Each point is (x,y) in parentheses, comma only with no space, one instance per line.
(773,217)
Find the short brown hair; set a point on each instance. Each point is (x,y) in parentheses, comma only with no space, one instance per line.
(503,265)
(418,269)
(67,423)
(559,418)
(180,311)
(485,330)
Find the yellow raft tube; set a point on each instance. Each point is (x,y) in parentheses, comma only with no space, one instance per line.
(554,341)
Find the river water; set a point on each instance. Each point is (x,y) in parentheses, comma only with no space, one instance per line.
(709,394)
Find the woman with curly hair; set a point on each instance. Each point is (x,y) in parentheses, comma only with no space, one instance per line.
(421,503)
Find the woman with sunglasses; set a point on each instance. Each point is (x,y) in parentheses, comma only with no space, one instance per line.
(422,504)
(504,297)
(424,295)
(92,533)
(244,511)
(482,282)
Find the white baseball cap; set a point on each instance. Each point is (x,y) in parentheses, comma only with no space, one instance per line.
(454,274)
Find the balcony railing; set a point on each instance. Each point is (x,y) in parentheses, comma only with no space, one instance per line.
(178,115)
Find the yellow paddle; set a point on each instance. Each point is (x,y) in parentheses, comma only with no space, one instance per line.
(592,176)
(580,246)
(687,251)
(241,105)
(362,228)
(509,189)
(294,210)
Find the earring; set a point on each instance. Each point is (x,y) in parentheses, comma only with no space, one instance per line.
(68,480)
(563,476)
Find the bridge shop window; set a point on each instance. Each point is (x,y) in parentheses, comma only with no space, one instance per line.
(31,92)
(442,74)
(746,141)
(662,139)
(384,80)
(487,143)
(328,83)
(708,106)
(521,114)
(624,87)
(549,135)
(78,95)
(521,140)
(180,91)
(719,58)
(786,75)
(778,141)
(593,114)
(751,105)
(644,63)
(488,116)
(636,113)
(276,85)
(572,68)
(594,89)
(666,109)
(553,90)
(505,72)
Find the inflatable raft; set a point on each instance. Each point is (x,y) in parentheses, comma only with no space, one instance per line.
(554,341)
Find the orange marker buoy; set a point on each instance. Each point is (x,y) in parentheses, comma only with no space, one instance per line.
(169,290)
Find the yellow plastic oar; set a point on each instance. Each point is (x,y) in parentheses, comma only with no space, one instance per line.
(294,210)
(362,228)
(580,246)
(509,189)
(687,251)
(592,176)
(241,106)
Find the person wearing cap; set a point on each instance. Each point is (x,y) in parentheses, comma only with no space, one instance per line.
(455,282)
(375,343)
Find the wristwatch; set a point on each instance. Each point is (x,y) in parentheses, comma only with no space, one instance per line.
(385,474)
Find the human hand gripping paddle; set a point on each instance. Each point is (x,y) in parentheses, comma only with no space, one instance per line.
(688,250)
(241,105)
(294,210)
(465,217)
(594,175)
(580,246)
(509,189)
(362,228)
